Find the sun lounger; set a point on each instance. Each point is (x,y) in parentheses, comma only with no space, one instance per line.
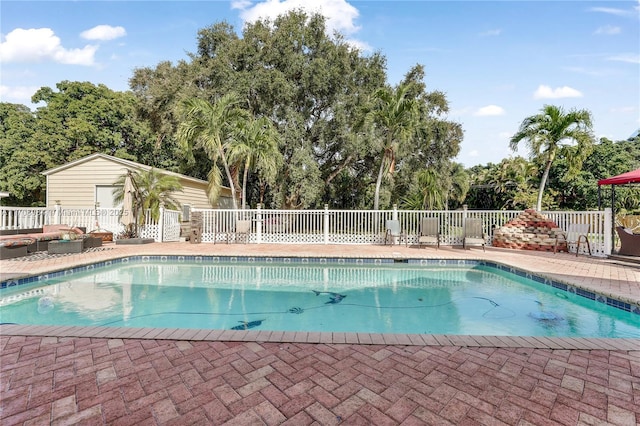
(474,234)
(429,232)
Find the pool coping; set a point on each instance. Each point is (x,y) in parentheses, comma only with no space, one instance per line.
(320,337)
(533,342)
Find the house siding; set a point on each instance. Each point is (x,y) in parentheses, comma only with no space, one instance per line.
(75,186)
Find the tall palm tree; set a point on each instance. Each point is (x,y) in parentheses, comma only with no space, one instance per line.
(211,126)
(151,189)
(554,132)
(395,113)
(256,146)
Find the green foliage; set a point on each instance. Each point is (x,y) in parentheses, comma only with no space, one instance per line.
(255,146)
(553,134)
(151,190)
(17,163)
(76,120)
(316,89)
(607,159)
(210,127)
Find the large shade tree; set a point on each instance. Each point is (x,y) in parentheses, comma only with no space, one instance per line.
(19,167)
(314,87)
(553,133)
(72,120)
(290,70)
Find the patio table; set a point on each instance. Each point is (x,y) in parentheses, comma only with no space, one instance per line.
(64,247)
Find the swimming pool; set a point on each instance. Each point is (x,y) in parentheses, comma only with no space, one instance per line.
(432,297)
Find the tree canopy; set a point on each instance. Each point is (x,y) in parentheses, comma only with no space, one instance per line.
(311,120)
(316,90)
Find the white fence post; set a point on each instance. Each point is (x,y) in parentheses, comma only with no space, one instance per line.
(607,231)
(259,223)
(394,215)
(58,213)
(161,224)
(326,224)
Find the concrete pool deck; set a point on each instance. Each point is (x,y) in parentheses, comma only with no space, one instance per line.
(92,375)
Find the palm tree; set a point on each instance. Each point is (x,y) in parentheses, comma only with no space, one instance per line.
(210,127)
(458,184)
(431,188)
(256,146)
(151,189)
(554,132)
(395,113)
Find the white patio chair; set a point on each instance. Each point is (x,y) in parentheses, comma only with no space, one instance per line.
(394,232)
(576,234)
(243,229)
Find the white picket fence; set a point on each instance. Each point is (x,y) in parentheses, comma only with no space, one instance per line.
(308,226)
(368,226)
(107,219)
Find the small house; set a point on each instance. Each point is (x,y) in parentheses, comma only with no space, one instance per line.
(90,180)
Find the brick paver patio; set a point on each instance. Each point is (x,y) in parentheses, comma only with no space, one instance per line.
(67,375)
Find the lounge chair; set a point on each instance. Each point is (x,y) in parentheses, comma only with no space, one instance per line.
(629,242)
(473,234)
(576,234)
(393,232)
(429,232)
(243,229)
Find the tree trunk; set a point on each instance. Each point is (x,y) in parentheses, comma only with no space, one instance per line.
(376,199)
(229,178)
(244,183)
(543,183)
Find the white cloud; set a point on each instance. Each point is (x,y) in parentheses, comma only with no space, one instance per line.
(505,135)
(240,4)
(41,44)
(623,110)
(340,15)
(489,110)
(474,153)
(495,32)
(103,32)
(631,58)
(546,92)
(608,30)
(613,11)
(17,93)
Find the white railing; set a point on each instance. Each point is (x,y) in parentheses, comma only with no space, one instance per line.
(307,226)
(24,217)
(107,219)
(368,226)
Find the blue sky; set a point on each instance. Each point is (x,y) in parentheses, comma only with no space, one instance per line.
(498,62)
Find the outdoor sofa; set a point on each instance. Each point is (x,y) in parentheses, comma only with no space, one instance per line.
(41,236)
(629,242)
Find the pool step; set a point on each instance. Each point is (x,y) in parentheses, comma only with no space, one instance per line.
(626,260)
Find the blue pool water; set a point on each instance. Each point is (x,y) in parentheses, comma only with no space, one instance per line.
(470,299)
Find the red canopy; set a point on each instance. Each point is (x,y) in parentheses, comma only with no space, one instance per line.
(629,177)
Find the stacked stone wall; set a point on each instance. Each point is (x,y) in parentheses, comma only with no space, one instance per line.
(529,231)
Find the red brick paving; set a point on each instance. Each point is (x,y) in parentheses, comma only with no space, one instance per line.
(58,380)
